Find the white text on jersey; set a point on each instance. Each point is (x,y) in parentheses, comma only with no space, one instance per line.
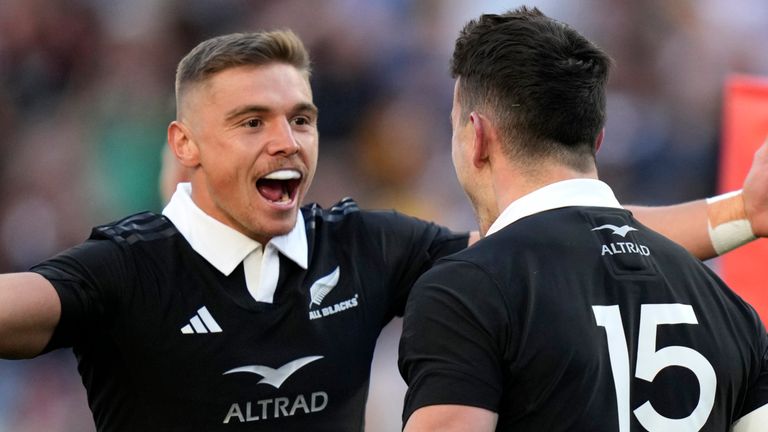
(625,247)
(330,310)
(266,409)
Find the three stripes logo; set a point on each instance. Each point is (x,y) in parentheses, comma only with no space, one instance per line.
(201,323)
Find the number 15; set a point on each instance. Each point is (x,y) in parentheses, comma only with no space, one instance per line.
(650,362)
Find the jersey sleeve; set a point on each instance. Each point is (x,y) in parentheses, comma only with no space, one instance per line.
(409,247)
(88,279)
(453,339)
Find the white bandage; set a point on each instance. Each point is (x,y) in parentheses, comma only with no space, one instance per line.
(731,234)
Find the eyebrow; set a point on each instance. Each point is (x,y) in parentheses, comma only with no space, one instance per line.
(260,109)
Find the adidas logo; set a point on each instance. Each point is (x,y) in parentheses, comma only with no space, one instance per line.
(201,323)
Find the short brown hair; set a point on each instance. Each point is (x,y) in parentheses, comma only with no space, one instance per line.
(240,49)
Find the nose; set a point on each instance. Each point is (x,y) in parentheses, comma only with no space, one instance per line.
(283,140)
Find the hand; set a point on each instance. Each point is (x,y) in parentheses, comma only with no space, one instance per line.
(755,192)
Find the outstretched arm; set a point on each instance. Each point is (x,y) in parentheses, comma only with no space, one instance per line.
(685,223)
(29,311)
(712,227)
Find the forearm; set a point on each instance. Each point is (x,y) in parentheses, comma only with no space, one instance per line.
(707,228)
(29,312)
(449,418)
(685,224)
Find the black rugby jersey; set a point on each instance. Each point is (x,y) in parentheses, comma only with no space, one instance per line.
(582,319)
(165,342)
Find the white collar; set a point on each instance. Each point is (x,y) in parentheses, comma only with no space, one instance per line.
(222,246)
(576,192)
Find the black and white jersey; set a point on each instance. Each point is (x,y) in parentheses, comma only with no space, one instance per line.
(166,342)
(582,319)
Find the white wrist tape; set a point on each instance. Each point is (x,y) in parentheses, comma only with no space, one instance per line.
(732,234)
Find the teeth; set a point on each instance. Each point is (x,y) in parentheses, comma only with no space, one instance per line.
(283,198)
(285,174)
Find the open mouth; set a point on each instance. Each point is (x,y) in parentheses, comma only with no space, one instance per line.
(279,187)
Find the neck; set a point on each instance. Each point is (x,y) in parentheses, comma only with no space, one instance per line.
(512,183)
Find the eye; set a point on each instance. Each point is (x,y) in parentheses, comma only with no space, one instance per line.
(252,123)
(301,121)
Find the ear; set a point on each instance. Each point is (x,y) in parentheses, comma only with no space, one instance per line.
(599,140)
(183,147)
(480,144)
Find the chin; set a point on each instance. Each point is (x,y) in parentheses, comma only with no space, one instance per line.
(277,228)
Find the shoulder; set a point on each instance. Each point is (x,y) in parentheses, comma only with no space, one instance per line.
(342,210)
(117,242)
(409,242)
(347,213)
(465,276)
(136,228)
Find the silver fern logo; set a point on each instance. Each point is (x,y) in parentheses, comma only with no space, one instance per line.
(321,287)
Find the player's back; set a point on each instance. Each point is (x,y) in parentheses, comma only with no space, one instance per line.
(610,326)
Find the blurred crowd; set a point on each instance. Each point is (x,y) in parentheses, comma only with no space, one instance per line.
(86,93)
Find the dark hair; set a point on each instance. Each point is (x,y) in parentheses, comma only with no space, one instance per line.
(539,79)
(240,49)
